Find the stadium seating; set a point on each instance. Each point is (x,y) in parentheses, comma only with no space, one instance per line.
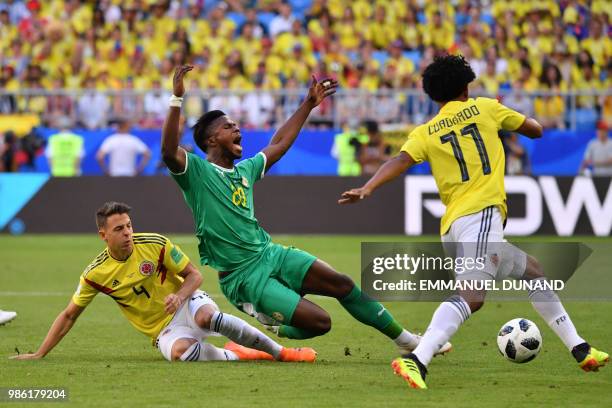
(51,51)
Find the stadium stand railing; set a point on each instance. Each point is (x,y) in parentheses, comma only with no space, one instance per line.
(572,110)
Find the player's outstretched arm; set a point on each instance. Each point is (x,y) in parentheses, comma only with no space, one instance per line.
(62,325)
(172,154)
(387,172)
(530,128)
(286,134)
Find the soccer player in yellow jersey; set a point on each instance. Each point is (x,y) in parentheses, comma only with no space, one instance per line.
(467,161)
(156,287)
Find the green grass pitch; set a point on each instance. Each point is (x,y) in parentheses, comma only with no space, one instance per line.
(103,361)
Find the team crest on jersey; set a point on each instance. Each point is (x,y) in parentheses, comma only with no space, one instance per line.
(245,182)
(278,316)
(146,268)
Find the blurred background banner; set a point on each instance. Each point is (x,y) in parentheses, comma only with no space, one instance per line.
(558,153)
(306,205)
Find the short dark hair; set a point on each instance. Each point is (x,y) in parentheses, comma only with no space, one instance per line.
(447,77)
(200,129)
(371,126)
(108,209)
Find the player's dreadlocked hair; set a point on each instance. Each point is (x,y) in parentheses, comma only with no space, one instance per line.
(447,77)
(108,209)
(200,129)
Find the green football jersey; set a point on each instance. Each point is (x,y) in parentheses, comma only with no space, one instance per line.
(221,201)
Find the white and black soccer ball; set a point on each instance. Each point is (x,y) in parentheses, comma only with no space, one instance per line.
(519,340)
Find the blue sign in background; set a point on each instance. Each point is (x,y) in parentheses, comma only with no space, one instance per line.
(558,152)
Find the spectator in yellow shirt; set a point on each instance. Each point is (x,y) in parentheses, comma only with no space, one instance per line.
(488,79)
(563,42)
(530,83)
(550,108)
(438,33)
(361,10)
(598,45)
(248,45)
(535,43)
(285,42)
(587,81)
(403,66)
(380,32)
(237,78)
(371,78)
(299,65)
(196,26)
(410,31)
(164,24)
(347,31)
(274,63)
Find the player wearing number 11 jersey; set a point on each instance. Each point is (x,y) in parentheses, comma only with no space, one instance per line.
(462,145)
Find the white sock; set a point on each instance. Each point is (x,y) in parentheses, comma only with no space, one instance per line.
(243,333)
(207,352)
(406,339)
(549,307)
(445,321)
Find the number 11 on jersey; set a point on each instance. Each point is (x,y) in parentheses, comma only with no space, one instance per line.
(473,131)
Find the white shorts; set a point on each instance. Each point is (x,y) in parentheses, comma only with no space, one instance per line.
(481,236)
(183,325)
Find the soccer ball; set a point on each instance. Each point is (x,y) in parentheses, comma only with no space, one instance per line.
(519,340)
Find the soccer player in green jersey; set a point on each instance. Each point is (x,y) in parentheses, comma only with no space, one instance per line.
(257,276)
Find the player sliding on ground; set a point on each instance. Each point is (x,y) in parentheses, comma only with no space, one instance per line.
(467,160)
(257,276)
(156,287)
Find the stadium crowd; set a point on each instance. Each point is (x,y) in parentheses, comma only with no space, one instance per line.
(255,47)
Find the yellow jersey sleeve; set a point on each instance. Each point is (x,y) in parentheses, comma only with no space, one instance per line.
(416,145)
(84,293)
(175,259)
(507,118)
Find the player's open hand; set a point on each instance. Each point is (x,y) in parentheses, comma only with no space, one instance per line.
(28,356)
(173,303)
(354,195)
(320,90)
(177,81)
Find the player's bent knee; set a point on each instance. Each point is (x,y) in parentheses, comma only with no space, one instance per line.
(475,305)
(534,269)
(345,283)
(322,323)
(179,348)
(342,285)
(204,315)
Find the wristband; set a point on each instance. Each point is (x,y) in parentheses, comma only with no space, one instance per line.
(176,101)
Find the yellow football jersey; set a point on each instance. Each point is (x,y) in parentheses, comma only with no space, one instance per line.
(139,284)
(466,155)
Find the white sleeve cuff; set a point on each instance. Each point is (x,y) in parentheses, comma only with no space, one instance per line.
(263,170)
(186,164)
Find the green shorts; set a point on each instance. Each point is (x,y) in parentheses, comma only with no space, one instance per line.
(272,284)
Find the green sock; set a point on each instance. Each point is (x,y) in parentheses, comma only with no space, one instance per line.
(371,312)
(291,332)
